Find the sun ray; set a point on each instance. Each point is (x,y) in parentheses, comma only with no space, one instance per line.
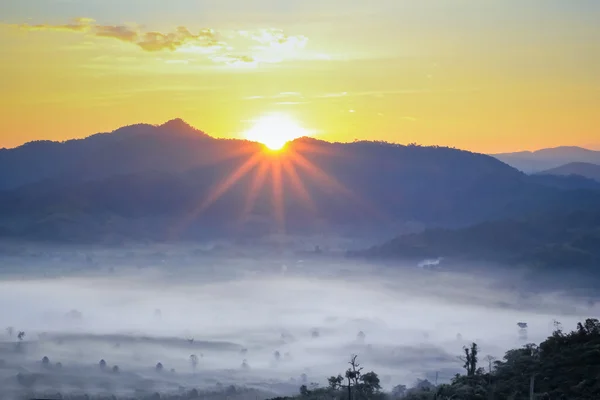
(298,185)
(257,184)
(227,152)
(222,188)
(330,182)
(278,194)
(219,190)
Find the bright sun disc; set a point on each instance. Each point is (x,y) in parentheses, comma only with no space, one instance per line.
(275,130)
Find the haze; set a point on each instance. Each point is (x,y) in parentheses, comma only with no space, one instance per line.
(143,305)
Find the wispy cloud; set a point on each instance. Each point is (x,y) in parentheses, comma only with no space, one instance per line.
(290,103)
(148,41)
(248,48)
(281,95)
(234,60)
(382,93)
(77,25)
(273,45)
(117,32)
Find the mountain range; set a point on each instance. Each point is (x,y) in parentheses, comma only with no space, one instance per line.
(174,182)
(545,159)
(555,240)
(586,170)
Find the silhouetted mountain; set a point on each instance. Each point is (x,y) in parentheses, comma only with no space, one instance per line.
(548,239)
(544,159)
(565,182)
(172,182)
(587,170)
(174,146)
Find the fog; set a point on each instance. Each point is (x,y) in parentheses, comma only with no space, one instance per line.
(268,321)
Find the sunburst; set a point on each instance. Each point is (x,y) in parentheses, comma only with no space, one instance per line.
(263,165)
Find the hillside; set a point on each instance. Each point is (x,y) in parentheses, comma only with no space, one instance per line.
(587,170)
(544,159)
(550,239)
(171,147)
(172,181)
(562,367)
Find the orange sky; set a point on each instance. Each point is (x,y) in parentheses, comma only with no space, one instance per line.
(493,77)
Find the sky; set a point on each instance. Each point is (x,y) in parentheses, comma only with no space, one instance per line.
(488,76)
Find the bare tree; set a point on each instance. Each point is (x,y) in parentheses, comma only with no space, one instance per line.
(10,330)
(490,359)
(353,375)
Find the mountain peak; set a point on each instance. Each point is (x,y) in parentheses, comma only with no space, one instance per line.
(180,127)
(176,123)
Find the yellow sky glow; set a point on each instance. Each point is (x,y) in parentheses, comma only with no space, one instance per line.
(450,83)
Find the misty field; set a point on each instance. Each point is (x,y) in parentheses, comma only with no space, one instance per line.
(266,323)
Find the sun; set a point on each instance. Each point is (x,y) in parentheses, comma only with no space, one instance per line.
(275,130)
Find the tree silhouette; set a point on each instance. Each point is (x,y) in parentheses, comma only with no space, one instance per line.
(470,359)
(194,361)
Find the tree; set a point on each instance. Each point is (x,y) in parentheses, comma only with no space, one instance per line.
(370,383)
(10,330)
(470,359)
(159,367)
(490,359)
(353,375)
(21,336)
(194,361)
(102,364)
(399,391)
(335,382)
(360,336)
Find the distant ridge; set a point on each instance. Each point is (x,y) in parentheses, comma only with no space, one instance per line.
(172,181)
(544,159)
(556,239)
(587,170)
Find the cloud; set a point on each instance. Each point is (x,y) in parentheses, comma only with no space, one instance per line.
(148,41)
(117,32)
(273,45)
(281,95)
(242,49)
(275,38)
(77,25)
(156,41)
(234,60)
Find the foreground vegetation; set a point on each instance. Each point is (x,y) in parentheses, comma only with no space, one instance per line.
(564,366)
